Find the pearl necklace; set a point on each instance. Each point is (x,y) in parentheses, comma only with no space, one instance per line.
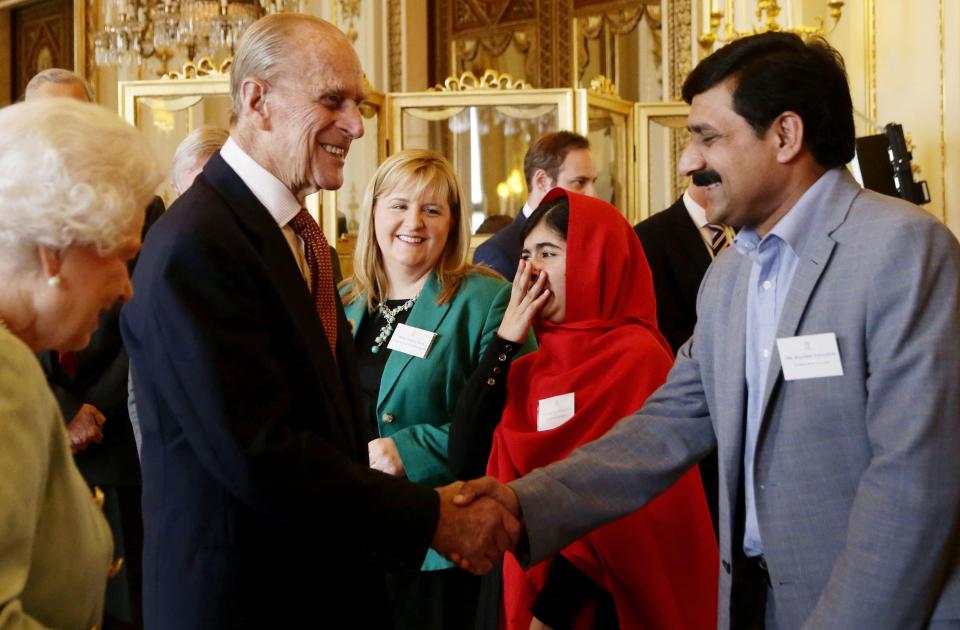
(389,314)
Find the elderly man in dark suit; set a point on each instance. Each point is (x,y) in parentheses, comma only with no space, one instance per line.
(260,509)
(823,368)
(556,159)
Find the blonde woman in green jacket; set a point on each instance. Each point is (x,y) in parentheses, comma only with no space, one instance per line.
(424,322)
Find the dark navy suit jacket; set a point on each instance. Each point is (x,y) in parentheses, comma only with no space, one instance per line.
(678,259)
(260,509)
(502,250)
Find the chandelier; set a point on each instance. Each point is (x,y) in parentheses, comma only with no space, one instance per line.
(138,29)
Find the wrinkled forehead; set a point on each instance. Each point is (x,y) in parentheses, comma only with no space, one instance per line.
(324,61)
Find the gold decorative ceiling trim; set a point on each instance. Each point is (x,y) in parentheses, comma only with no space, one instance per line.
(602,85)
(205,67)
(491,80)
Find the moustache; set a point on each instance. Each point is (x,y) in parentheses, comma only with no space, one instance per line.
(705,178)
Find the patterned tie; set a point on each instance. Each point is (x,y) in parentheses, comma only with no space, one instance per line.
(317,253)
(720,238)
(68,361)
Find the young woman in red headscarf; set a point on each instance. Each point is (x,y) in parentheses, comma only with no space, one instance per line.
(600,356)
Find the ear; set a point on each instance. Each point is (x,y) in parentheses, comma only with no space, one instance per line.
(253,97)
(788,134)
(542,181)
(50,261)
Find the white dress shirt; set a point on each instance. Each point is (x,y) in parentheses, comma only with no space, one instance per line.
(272,193)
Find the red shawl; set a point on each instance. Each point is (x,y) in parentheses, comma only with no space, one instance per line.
(659,563)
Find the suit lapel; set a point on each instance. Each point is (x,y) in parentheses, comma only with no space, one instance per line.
(813,261)
(427,315)
(732,380)
(278,259)
(690,251)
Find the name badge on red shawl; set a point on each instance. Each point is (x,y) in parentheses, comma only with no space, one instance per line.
(552,412)
(412,340)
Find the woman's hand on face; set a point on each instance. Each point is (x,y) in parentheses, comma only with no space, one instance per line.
(385,457)
(527,297)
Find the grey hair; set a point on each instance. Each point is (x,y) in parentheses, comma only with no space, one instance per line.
(57,75)
(196,148)
(265,47)
(71,173)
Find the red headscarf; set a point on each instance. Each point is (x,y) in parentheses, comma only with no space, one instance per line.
(659,563)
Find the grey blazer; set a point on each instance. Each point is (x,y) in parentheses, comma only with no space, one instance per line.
(857,476)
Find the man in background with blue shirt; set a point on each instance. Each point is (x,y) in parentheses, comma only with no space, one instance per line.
(823,367)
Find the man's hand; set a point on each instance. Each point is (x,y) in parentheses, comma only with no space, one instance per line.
(488,487)
(385,457)
(85,428)
(474,536)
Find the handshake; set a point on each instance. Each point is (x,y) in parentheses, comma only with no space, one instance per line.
(479,521)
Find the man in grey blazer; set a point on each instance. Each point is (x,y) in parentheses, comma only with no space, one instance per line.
(823,367)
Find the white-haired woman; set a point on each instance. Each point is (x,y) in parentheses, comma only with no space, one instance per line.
(70,219)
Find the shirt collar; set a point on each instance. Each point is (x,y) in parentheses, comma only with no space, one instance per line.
(695,210)
(270,191)
(527,210)
(793,228)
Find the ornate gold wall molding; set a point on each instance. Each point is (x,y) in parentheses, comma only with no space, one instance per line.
(491,80)
(395,44)
(680,29)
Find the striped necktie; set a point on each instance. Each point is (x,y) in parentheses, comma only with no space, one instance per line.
(720,238)
(317,252)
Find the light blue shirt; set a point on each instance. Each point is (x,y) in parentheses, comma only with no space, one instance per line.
(775,258)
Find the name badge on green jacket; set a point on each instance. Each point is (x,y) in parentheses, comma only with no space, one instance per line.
(412,340)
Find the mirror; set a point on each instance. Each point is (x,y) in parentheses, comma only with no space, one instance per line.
(662,135)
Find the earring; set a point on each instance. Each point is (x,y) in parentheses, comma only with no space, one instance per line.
(54,281)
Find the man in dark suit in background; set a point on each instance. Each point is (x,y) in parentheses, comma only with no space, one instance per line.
(260,509)
(680,244)
(556,159)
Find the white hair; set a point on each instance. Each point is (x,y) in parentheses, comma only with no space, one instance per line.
(57,75)
(195,149)
(265,48)
(71,173)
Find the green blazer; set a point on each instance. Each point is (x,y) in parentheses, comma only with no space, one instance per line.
(418,396)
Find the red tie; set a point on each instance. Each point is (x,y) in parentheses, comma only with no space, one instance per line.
(68,361)
(317,253)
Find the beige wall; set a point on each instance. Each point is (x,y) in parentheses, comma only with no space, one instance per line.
(909,72)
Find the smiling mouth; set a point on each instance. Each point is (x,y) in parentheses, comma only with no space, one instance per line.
(412,240)
(334,150)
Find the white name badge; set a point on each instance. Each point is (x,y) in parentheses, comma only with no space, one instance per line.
(552,412)
(411,340)
(809,356)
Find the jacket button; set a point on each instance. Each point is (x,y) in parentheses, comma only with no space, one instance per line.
(726,566)
(387,417)
(496,370)
(502,357)
(490,381)
(509,347)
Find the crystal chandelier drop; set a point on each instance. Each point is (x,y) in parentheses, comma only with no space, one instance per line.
(135,30)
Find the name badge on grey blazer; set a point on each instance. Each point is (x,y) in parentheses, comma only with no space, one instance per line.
(809,356)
